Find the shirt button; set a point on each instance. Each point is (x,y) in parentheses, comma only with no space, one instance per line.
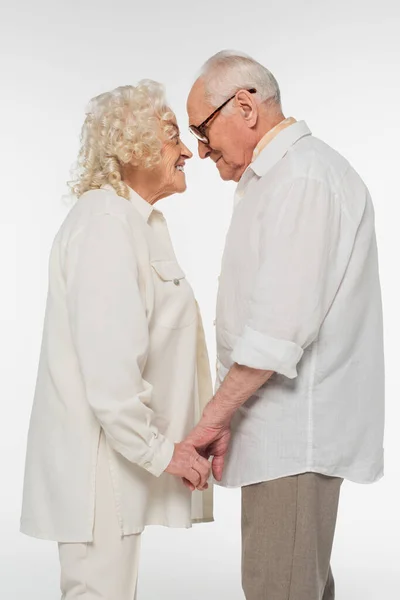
(177,282)
(147,465)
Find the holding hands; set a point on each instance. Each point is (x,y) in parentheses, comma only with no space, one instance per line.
(210,438)
(211,441)
(187,463)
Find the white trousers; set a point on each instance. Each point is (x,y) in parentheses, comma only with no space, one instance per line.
(107,568)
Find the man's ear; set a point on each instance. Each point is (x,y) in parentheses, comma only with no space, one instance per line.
(247,106)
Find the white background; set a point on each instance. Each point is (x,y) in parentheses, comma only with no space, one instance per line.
(338,64)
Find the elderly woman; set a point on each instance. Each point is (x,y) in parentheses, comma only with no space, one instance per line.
(124,369)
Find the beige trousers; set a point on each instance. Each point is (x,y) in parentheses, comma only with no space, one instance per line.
(288,526)
(107,568)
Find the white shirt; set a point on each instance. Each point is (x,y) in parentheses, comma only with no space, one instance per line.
(123,350)
(299,294)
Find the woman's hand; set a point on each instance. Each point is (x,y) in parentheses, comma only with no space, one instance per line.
(188,464)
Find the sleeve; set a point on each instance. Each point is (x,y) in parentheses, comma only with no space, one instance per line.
(111,338)
(305,245)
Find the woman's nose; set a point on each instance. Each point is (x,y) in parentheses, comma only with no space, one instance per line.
(186,152)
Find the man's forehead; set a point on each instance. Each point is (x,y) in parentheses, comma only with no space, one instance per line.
(197,106)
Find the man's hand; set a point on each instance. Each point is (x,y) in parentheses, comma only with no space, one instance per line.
(190,465)
(212,435)
(212,441)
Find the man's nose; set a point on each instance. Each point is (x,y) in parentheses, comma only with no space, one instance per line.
(204,150)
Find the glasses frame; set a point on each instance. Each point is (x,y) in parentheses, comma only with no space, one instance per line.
(199,131)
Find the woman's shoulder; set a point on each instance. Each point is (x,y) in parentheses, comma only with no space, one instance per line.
(103,200)
(92,206)
(85,209)
(96,203)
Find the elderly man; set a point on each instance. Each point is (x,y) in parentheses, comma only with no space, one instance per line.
(299,404)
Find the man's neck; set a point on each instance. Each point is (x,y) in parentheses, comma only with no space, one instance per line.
(267,123)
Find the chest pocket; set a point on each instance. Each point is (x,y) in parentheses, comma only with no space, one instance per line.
(175,305)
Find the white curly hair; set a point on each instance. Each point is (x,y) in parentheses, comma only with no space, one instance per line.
(127,125)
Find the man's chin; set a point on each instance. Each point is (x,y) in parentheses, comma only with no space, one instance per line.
(223,172)
(226,177)
(226,173)
(229,176)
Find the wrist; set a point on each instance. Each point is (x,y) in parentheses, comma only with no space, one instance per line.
(215,415)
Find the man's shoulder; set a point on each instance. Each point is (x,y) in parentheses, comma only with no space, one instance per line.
(313,159)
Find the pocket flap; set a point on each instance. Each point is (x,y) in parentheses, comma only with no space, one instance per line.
(168,270)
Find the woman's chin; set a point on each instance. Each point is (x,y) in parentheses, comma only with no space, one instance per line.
(181,186)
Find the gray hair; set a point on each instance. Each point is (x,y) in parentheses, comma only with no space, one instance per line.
(229,71)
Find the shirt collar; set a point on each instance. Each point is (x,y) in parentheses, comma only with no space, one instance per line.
(139,204)
(144,208)
(270,135)
(271,148)
(278,147)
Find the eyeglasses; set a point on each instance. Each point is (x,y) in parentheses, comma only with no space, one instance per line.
(199,131)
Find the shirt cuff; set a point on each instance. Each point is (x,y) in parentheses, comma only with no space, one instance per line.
(162,451)
(260,351)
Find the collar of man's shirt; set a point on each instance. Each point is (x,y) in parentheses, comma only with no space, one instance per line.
(270,135)
(271,148)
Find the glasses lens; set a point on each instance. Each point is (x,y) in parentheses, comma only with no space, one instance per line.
(198,134)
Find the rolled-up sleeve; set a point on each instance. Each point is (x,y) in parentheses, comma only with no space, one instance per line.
(111,338)
(305,245)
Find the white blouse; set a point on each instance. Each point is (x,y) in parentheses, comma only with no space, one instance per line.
(123,350)
(299,295)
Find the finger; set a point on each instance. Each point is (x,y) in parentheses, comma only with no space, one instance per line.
(202,489)
(203,468)
(191,487)
(193,477)
(187,483)
(201,465)
(218,467)
(204,452)
(199,462)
